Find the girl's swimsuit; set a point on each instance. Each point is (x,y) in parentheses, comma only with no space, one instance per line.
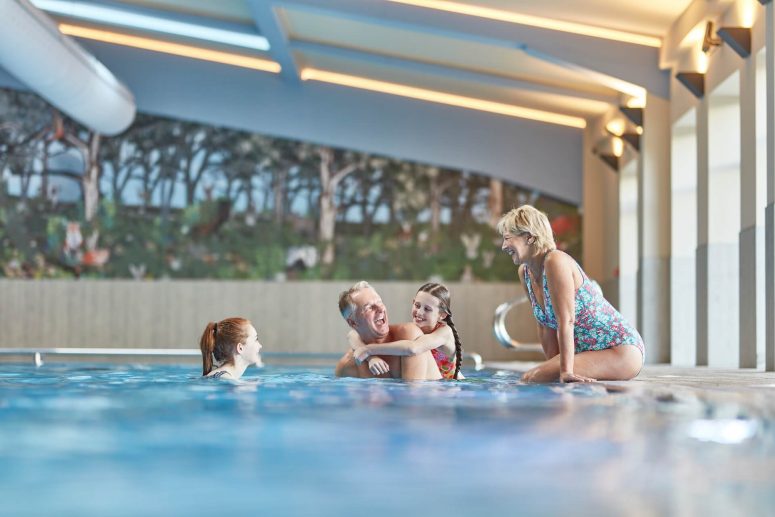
(597,326)
(445,363)
(217,375)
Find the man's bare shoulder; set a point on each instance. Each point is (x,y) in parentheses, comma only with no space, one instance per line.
(405,331)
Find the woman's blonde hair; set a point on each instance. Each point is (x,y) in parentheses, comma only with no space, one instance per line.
(528,219)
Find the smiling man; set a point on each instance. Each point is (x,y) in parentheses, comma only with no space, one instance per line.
(363,310)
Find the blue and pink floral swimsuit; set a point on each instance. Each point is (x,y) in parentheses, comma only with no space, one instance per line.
(598,325)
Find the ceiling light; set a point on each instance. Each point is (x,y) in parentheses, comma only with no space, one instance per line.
(634,114)
(312,74)
(611,160)
(617,145)
(167,47)
(708,41)
(619,128)
(738,39)
(127,19)
(635,92)
(536,21)
(615,127)
(694,82)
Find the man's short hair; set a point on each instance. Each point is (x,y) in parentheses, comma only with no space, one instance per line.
(346,304)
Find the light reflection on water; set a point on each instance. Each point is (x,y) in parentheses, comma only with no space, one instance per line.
(81,440)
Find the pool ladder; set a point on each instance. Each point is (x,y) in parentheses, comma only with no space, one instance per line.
(499,327)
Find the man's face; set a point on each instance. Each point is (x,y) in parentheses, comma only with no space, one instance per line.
(370,317)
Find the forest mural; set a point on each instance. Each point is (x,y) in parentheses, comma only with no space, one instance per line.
(177,199)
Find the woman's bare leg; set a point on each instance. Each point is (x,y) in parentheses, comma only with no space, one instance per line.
(619,363)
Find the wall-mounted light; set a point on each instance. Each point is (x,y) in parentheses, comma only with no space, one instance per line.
(610,150)
(738,38)
(694,82)
(709,41)
(611,160)
(619,128)
(634,114)
(633,139)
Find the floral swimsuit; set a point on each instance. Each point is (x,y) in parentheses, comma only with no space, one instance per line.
(598,325)
(445,363)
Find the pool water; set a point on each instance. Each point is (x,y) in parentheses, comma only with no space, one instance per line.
(82,439)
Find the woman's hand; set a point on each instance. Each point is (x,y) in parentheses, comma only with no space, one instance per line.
(361,353)
(377,366)
(574,377)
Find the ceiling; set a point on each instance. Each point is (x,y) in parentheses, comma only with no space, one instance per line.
(501,87)
(486,56)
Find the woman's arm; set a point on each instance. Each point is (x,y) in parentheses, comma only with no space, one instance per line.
(541,331)
(442,336)
(562,289)
(548,341)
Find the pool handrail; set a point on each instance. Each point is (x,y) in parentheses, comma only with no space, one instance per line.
(499,327)
(38,353)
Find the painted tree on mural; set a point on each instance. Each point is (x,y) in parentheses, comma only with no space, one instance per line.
(172,198)
(334,167)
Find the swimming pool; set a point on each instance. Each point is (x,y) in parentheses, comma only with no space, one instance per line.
(81,439)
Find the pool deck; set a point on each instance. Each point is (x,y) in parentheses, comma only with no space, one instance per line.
(747,387)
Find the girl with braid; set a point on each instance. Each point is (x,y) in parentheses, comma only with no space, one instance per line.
(228,347)
(431,312)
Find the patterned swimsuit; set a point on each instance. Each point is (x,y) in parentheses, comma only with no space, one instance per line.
(445,363)
(598,325)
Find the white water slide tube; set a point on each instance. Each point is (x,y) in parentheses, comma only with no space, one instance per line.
(34,51)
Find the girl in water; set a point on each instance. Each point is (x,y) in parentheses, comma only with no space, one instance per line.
(431,312)
(232,344)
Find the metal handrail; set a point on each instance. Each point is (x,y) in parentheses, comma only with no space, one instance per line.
(38,353)
(499,327)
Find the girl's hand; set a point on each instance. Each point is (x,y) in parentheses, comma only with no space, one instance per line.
(354,340)
(377,366)
(573,377)
(361,353)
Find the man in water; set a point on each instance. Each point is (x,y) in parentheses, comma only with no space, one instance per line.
(363,310)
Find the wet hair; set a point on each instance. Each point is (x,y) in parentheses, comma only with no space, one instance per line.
(220,339)
(441,293)
(346,304)
(528,219)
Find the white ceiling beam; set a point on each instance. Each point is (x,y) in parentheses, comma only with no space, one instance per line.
(451,73)
(635,64)
(271,28)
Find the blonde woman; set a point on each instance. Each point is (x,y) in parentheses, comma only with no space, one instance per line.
(583,337)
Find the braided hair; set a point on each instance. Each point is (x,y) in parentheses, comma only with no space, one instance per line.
(441,293)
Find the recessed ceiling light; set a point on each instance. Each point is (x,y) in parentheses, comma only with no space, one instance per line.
(312,74)
(128,19)
(167,47)
(535,21)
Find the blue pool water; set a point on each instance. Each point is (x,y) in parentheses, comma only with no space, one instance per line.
(157,440)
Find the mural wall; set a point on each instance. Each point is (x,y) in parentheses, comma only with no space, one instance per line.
(176,199)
